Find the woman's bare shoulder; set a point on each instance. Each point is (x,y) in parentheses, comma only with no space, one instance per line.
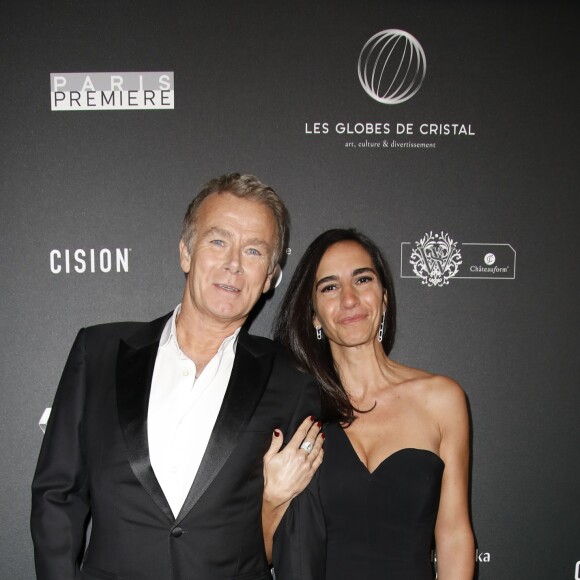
(440,388)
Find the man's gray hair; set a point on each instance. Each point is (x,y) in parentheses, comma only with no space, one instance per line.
(244,187)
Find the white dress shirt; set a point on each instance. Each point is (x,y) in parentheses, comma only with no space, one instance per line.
(183,410)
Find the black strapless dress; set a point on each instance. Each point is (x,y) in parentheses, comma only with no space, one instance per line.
(351,524)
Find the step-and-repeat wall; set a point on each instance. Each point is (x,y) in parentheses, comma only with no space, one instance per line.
(446,131)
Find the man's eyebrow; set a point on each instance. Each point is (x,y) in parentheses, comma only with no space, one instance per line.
(215,231)
(256,242)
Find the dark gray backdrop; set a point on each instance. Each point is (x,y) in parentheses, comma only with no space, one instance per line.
(249,77)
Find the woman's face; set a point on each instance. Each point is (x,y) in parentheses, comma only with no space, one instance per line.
(348,298)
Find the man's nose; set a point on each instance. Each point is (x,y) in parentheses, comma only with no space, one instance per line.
(233,262)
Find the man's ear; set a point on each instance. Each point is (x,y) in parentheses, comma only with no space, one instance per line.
(184,257)
(272,278)
(267,283)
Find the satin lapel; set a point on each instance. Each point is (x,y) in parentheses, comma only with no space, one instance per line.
(134,374)
(249,378)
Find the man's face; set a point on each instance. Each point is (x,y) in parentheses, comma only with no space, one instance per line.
(228,268)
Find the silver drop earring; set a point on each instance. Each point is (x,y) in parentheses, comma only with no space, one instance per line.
(319,332)
(382,327)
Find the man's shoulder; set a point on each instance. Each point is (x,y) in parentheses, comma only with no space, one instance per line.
(258,343)
(263,345)
(292,386)
(124,330)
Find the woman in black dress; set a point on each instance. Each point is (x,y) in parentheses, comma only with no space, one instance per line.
(395,471)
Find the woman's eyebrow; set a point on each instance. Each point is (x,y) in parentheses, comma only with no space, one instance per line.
(362,270)
(326,279)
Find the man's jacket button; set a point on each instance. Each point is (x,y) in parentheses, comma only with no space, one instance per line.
(176,532)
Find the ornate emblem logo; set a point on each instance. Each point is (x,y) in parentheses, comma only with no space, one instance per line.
(435,259)
(392,66)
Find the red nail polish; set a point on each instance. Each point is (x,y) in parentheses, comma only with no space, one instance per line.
(319,424)
(323,436)
(312,418)
(276,433)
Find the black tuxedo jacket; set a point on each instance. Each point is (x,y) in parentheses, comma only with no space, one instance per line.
(94,464)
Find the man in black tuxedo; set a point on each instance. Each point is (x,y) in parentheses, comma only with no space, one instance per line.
(158,429)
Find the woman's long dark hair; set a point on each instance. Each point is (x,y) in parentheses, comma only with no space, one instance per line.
(294,328)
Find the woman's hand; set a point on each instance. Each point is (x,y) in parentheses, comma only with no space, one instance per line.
(289,471)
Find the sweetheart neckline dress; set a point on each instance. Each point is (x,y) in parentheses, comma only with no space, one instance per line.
(353,524)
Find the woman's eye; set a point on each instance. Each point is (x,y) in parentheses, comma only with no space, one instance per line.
(364,279)
(328,288)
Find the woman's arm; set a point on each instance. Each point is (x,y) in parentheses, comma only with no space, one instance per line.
(453,534)
(287,472)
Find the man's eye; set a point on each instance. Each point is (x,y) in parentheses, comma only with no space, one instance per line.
(253,252)
(217,242)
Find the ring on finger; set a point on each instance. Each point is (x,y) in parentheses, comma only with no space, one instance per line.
(307,446)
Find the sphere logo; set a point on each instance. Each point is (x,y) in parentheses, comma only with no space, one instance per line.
(392,66)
